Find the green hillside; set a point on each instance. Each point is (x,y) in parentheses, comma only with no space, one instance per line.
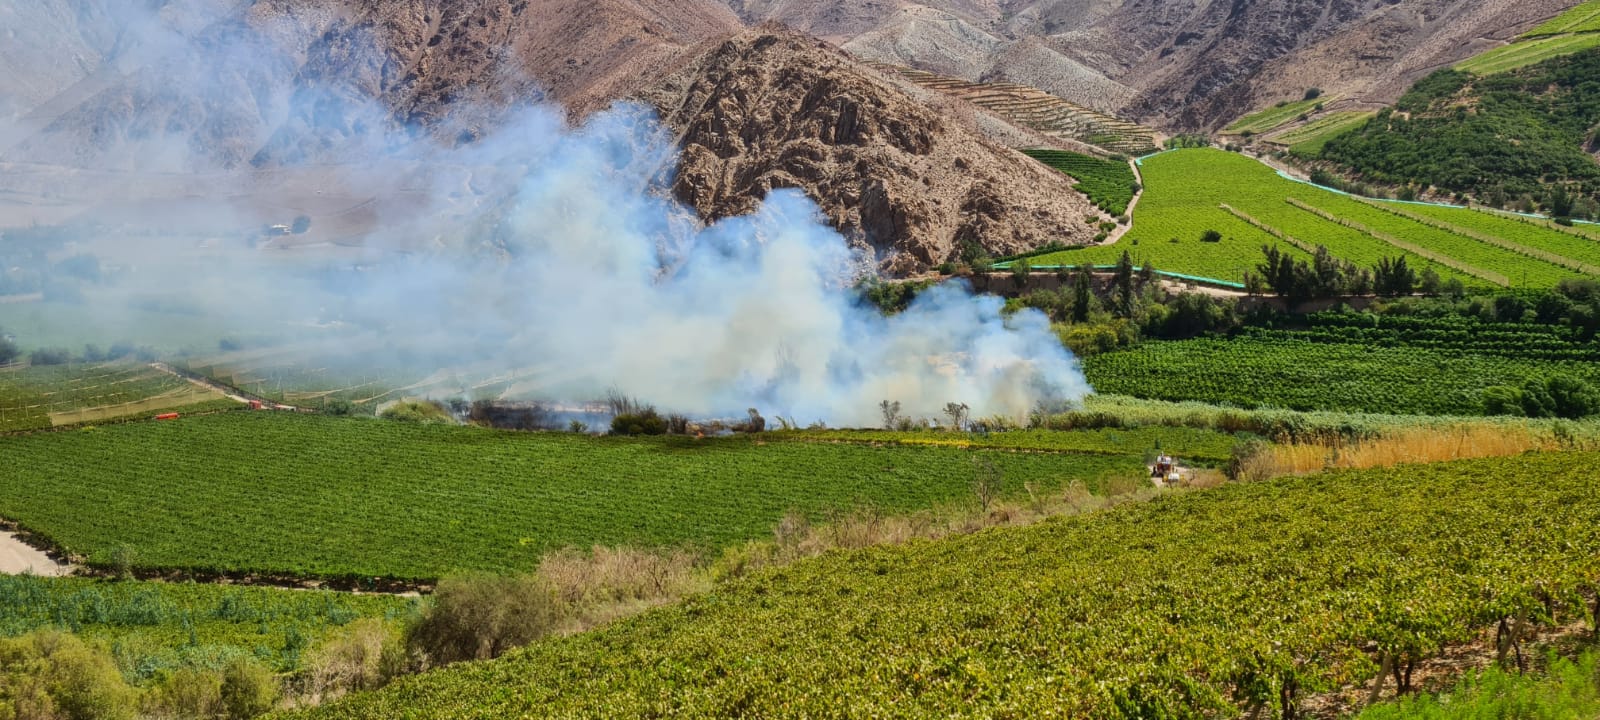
(1521,138)
(1195,605)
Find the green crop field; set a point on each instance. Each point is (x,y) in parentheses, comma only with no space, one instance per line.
(157,627)
(315,496)
(1527,232)
(1300,373)
(40,397)
(1528,52)
(1189,191)
(1307,140)
(1272,117)
(1108,183)
(1583,18)
(1195,605)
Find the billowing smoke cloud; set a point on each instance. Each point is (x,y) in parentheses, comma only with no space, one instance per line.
(552,256)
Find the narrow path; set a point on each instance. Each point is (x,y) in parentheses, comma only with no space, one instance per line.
(18,557)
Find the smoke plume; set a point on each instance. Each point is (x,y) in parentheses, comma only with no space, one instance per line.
(547,256)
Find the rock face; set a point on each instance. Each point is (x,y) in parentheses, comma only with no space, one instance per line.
(1177,64)
(771,109)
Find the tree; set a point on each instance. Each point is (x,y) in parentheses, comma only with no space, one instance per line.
(891,414)
(1020,269)
(1313,93)
(1124,285)
(1560,202)
(8,350)
(1392,277)
(1082,294)
(957,412)
(1429,284)
(1210,236)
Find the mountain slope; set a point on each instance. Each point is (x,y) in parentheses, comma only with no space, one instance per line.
(1179,64)
(771,109)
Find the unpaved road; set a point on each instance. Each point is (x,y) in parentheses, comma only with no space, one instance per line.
(16,557)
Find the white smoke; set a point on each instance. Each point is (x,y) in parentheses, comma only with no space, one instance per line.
(556,252)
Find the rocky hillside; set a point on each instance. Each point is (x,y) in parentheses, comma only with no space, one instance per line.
(771,109)
(1178,64)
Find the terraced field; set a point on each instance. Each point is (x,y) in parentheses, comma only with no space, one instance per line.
(32,398)
(1038,110)
(1108,183)
(1528,52)
(303,495)
(1274,117)
(1583,18)
(1308,139)
(1245,600)
(1190,191)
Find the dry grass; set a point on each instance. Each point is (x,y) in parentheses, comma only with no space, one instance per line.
(1404,446)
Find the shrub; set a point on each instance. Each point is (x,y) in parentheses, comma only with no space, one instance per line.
(248,689)
(1502,400)
(479,617)
(50,356)
(363,656)
(643,422)
(418,411)
(1211,236)
(50,675)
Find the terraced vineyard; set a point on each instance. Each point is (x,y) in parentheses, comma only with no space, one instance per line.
(1528,52)
(1190,191)
(1271,118)
(1583,18)
(1213,604)
(32,398)
(1108,183)
(307,495)
(1293,371)
(1038,110)
(160,627)
(1307,140)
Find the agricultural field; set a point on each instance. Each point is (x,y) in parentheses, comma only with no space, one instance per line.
(73,325)
(1271,118)
(1190,191)
(281,493)
(33,398)
(1308,139)
(1583,18)
(1191,605)
(1528,52)
(1300,373)
(1195,444)
(160,627)
(1453,334)
(1533,234)
(1038,110)
(1108,183)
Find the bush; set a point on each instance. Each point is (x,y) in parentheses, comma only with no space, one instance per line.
(49,675)
(248,689)
(1211,236)
(479,617)
(1502,400)
(418,411)
(643,422)
(363,656)
(50,356)
(8,351)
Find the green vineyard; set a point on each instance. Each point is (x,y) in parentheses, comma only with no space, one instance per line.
(1304,371)
(1224,603)
(1275,116)
(32,398)
(1108,183)
(279,493)
(1188,192)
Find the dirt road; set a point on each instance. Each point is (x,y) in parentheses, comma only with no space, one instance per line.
(16,557)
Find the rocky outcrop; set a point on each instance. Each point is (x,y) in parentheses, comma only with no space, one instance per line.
(771,109)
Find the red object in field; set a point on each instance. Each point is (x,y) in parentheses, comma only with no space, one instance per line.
(167,416)
(255,404)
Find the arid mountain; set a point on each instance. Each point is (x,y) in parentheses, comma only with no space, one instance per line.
(1177,64)
(771,109)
